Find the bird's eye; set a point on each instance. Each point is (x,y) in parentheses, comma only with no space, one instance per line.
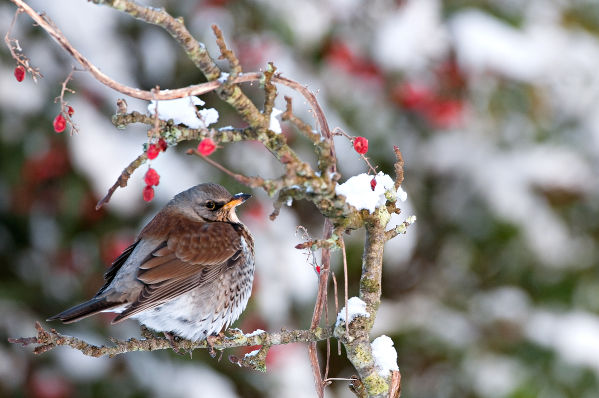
(210,205)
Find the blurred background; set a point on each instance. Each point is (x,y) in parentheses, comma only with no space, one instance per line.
(494,292)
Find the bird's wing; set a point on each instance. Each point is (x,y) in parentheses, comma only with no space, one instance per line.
(193,254)
(116,266)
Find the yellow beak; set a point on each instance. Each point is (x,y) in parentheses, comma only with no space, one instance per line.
(237,200)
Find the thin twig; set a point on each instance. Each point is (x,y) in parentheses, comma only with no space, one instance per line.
(17,52)
(321,298)
(339,131)
(253,182)
(64,104)
(345,283)
(398,166)
(226,53)
(400,229)
(123,178)
(336,307)
(305,128)
(395,387)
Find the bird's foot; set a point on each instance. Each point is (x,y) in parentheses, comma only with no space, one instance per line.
(146,333)
(210,340)
(174,342)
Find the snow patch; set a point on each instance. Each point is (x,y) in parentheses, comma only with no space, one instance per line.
(385,356)
(358,191)
(355,308)
(255,333)
(184,111)
(252,353)
(223,77)
(275,125)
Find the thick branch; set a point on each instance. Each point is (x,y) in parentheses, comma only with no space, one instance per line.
(47,340)
(356,340)
(372,261)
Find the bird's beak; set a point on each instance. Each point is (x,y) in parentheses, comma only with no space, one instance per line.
(237,200)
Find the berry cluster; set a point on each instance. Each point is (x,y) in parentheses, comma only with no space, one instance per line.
(151,178)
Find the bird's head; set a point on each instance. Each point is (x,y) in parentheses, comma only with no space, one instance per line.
(209,202)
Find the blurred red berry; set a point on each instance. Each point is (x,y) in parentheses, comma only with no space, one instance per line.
(341,56)
(70,110)
(413,97)
(59,123)
(148,193)
(153,151)
(206,146)
(318,269)
(162,144)
(20,73)
(152,177)
(445,113)
(373,183)
(48,384)
(361,145)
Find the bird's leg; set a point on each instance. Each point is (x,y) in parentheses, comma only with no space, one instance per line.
(210,340)
(174,342)
(146,333)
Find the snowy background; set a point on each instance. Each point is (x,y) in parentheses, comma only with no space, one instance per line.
(494,292)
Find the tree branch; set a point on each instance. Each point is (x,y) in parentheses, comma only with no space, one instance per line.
(47,340)
(357,340)
(299,181)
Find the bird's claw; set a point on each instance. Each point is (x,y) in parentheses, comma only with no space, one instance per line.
(174,342)
(210,340)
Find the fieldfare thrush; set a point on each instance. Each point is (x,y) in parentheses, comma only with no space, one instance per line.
(189,273)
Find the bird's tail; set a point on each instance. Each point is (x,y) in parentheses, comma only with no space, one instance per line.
(83,310)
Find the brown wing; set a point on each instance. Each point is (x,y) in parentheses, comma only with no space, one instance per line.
(194,254)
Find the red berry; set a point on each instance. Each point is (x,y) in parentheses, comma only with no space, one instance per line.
(20,73)
(153,151)
(148,193)
(70,110)
(152,177)
(445,113)
(206,146)
(373,183)
(412,96)
(59,123)
(361,145)
(318,269)
(162,144)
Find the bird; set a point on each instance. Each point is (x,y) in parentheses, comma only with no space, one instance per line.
(188,274)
